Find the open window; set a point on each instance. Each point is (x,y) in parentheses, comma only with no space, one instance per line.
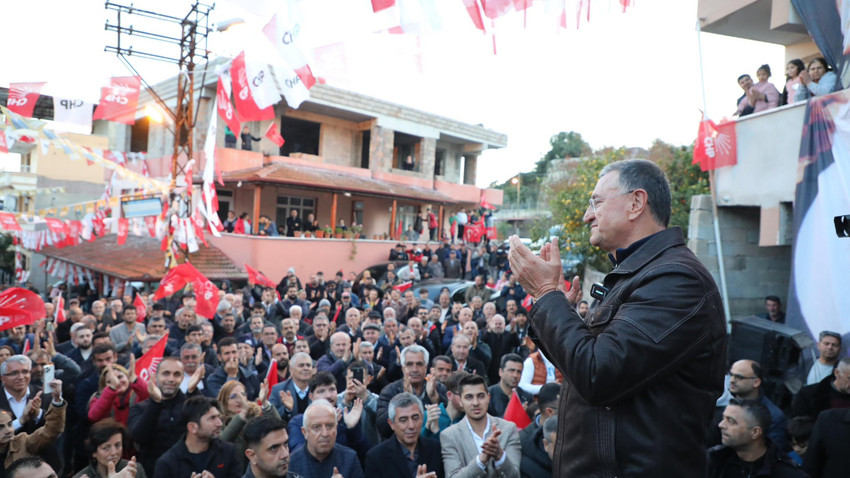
(405,145)
(301,136)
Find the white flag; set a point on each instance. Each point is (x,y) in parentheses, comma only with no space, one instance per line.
(284,31)
(72,111)
(261,83)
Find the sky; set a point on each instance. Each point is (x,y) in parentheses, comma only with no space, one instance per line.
(621,79)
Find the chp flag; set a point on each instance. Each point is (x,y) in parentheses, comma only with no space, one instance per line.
(23,97)
(716,145)
(119,100)
(72,111)
(146,366)
(284,31)
(206,293)
(273,133)
(19,307)
(247,108)
(820,251)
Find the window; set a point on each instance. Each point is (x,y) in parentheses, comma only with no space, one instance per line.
(225,203)
(440,162)
(407,215)
(405,145)
(357,212)
(301,136)
(364,150)
(139,134)
(285,204)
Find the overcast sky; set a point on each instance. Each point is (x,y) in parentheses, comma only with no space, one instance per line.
(621,79)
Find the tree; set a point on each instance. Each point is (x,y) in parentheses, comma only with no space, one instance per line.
(570,199)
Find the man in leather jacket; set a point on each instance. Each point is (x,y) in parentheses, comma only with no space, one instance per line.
(644,371)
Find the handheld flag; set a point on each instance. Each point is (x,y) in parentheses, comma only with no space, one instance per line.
(516,413)
(19,307)
(257,277)
(141,308)
(146,366)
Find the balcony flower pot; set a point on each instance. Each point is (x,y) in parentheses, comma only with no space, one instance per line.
(320,233)
(308,234)
(297,233)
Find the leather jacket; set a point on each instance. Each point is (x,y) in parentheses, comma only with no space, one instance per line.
(643,375)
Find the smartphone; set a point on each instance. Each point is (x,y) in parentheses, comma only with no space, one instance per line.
(49,375)
(357,373)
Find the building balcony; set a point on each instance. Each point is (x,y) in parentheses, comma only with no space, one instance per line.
(19,180)
(771,21)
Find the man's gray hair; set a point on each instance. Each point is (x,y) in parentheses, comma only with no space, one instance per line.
(404,400)
(366,345)
(294,308)
(646,175)
(21,359)
(76,327)
(414,349)
(384,313)
(224,306)
(320,403)
(190,346)
(550,426)
(300,355)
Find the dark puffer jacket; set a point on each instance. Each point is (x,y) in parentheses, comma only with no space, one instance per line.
(643,374)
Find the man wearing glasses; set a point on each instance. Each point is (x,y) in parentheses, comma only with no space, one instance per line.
(18,395)
(643,373)
(745,381)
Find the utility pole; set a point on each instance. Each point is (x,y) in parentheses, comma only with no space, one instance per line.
(194,31)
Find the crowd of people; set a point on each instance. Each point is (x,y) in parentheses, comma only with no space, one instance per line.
(801,83)
(372,381)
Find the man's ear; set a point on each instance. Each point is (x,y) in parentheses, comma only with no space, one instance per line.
(638,204)
(250,454)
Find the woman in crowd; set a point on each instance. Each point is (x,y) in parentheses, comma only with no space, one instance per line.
(5,352)
(105,447)
(119,388)
(238,411)
(819,79)
(794,87)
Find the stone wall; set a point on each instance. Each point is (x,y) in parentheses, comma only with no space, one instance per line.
(381,149)
(752,272)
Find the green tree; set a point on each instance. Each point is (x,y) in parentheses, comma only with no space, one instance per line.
(569,199)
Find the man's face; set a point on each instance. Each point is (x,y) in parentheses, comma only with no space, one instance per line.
(470,329)
(772,307)
(406,338)
(479,281)
(267,296)
(510,374)
(101,360)
(169,376)
(407,425)
(228,323)
(465,315)
(17,333)
(210,425)
(295,315)
(190,358)
(82,339)
(414,367)
(521,320)
(609,223)
(582,308)
(117,306)
(352,319)
(445,300)
(17,377)
(367,354)
(734,429)
(271,455)
(256,325)
(130,315)
(549,445)
(320,327)
(340,344)
(745,83)
(156,327)
(302,369)
(98,308)
(371,335)
(475,400)
(280,353)
(829,347)
(510,306)
(292,293)
(391,327)
(38,365)
(269,336)
(476,303)
(228,353)
(408,297)
(7,430)
(460,350)
(328,392)
(415,324)
(498,324)
(185,318)
(195,337)
(742,380)
(434,315)
(321,431)
(441,371)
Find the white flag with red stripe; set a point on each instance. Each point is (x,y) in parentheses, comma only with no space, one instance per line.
(285,31)
(59,313)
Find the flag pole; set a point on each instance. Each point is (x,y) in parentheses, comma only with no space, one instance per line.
(720,265)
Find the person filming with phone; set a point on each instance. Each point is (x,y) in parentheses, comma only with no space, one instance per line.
(643,371)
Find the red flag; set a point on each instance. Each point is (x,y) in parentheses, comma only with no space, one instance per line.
(716,145)
(74,230)
(141,309)
(146,366)
(19,307)
(528,301)
(272,375)
(473,232)
(123,229)
(246,107)
(206,293)
(9,222)
(4,145)
(59,312)
(273,133)
(257,277)
(516,413)
(378,5)
(150,221)
(23,97)
(225,108)
(403,286)
(119,100)
(474,13)
(26,348)
(398,229)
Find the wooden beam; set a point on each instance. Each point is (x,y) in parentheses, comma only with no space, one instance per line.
(333,211)
(392,220)
(258,192)
(440,226)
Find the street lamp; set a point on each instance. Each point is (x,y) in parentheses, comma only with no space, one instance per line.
(515,180)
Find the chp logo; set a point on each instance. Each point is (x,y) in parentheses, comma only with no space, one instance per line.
(120,94)
(69,105)
(150,371)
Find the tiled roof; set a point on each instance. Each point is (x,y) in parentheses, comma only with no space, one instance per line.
(332,180)
(140,259)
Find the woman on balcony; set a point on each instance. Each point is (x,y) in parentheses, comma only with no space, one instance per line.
(819,79)
(794,88)
(760,96)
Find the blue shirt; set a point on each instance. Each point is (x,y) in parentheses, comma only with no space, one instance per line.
(343,458)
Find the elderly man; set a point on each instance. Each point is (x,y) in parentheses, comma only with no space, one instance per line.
(462,361)
(649,362)
(338,357)
(320,339)
(831,392)
(290,397)
(321,455)
(829,347)
(407,453)
(19,396)
(414,360)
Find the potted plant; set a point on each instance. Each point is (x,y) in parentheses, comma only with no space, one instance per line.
(338,233)
(320,233)
(297,233)
(355,230)
(328,231)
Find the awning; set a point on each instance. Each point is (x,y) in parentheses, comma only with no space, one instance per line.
(333,181)
(139,259)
